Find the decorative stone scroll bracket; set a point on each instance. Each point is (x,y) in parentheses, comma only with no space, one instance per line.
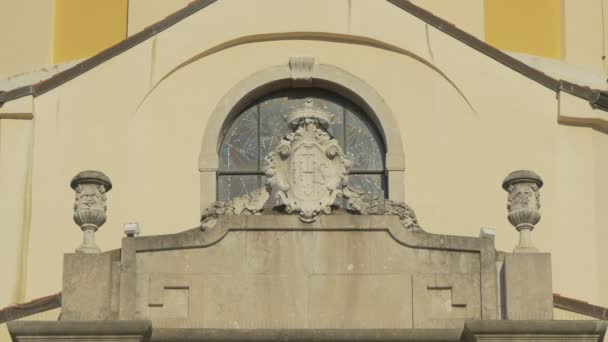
(301,68)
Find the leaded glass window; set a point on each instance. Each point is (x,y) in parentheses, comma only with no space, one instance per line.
(260,127)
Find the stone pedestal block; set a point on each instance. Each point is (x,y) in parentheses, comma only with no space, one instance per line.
(89,281)
(527,287)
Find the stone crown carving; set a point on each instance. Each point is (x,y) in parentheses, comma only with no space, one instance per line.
(309,171)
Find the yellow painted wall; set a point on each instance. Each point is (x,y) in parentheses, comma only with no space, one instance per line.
(529,26)
(83,28)
(25,32)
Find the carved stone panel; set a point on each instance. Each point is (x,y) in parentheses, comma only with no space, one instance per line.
(445,300)
(308,168)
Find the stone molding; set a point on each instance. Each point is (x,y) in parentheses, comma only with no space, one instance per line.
(326,77)
(472,331)
(131,331)
(479,331)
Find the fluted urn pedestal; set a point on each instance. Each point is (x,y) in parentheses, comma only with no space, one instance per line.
(90,206)
(523,205)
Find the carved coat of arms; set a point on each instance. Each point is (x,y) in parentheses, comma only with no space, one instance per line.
(308,167)
(308,170)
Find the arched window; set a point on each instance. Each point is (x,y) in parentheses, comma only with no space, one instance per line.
(258,129)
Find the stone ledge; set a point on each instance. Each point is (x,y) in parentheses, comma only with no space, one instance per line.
(490,330)
(479,330)
(79,330)
(301,335)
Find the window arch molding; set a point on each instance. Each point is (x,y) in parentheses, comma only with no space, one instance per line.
(300,72)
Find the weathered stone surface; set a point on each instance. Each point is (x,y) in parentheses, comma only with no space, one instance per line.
(473,331)
(302,335)
(90,206)
(342,253)
(523,205)
(308,167)
(533,330)
(249,204)
(280,253)
(445,300)
(273,271)
(304,278)
(361,301)
(227,257)
(88,286)
(86,331)
(372,204)
(528,287)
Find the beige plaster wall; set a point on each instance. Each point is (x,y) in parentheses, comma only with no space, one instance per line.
(143,13)
(466,122)
(15,165)
(26,34)
(467,15)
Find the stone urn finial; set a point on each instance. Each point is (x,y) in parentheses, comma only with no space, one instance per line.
(90,206)
(523,205)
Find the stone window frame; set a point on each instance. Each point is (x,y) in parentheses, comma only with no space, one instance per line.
(301,72)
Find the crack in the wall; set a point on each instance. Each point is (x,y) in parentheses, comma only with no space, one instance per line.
(428,43)
(152,62)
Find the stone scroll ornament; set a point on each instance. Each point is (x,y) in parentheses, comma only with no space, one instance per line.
(308,170)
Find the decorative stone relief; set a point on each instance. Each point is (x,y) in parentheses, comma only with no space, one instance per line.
(90,206)
(249,204)
(523,205)
(308,167)
(308,170)
(372,204)
(301,71)
(445,300)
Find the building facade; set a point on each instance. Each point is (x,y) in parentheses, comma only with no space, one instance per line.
(183,111)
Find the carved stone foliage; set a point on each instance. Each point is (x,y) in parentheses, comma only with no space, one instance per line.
(90,205)
(523,202)
(308,167)
(372,204)
(523,205)
(249,204)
